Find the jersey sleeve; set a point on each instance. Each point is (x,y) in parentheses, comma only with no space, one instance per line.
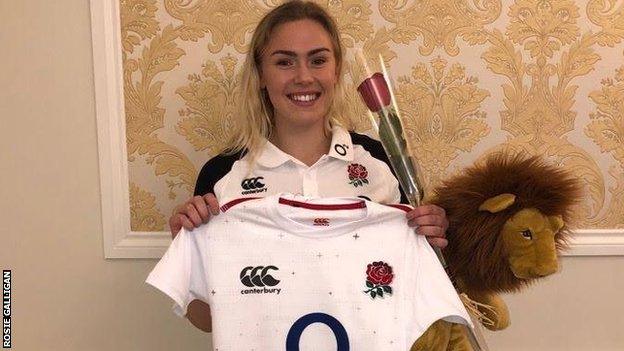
(214,170)
(179,273)
(430,293)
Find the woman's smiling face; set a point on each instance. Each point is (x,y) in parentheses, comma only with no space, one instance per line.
(299,72)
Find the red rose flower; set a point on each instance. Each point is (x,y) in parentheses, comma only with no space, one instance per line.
(379,273)
(357,171)
(375,92)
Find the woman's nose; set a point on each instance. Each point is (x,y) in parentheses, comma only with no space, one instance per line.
(303,74)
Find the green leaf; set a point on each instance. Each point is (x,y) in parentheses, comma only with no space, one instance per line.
(369,284)
(373,294)
(380,292)
(387,289)
(365,181)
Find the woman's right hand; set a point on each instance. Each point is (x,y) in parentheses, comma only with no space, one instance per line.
(193,213)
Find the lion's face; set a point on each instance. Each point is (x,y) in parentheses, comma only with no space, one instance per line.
(529,240)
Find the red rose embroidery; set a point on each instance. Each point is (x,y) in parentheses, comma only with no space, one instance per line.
(357,174)
(379,276)
(379,273)
(375,92)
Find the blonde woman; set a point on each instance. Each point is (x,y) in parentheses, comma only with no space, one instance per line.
(287,137)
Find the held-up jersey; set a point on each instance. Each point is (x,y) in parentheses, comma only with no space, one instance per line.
(290,273)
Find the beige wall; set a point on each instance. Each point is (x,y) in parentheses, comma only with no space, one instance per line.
(66,296)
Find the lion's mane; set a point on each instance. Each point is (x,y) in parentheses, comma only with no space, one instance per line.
(475,253)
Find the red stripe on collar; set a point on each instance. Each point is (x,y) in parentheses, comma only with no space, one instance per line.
(307,205)
(234,202)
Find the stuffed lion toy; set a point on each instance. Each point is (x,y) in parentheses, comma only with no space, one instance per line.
(508,220)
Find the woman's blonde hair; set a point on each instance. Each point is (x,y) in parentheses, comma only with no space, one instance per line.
(253,120)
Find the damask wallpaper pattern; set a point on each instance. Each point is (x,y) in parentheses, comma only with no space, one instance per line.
(473,77)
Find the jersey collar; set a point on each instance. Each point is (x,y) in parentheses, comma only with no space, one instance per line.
(341,148)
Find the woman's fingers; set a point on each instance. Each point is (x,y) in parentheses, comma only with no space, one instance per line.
(193,213)
(186,222)
(430,221)
(427,215)
(201,207)
(213,204)
(177,221)
(437,242)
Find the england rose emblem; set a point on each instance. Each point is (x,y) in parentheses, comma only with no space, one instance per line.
(357,174)
(379,276)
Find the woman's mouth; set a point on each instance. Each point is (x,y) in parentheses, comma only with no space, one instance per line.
(304,99)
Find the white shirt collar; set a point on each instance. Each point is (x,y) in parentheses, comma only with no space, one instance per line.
(341,148)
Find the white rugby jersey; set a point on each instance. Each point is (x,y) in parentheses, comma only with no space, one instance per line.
(289,273)
(355,166)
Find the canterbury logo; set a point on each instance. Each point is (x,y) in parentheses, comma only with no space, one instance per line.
(321,221)
(252,183)
(258,276)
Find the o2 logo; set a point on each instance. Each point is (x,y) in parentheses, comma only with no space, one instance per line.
(294,334)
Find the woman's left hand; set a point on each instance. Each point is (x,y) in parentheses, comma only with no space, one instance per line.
(430,221)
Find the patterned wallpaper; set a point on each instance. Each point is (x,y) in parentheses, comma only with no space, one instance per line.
(473,77)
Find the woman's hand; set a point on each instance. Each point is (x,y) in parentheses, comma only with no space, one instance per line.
(193,213)
(430,221)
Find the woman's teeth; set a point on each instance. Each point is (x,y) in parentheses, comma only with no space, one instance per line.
(305,98)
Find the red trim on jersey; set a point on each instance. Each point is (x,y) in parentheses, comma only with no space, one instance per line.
(351,206)
(236,202)
(400,207)
(309,206)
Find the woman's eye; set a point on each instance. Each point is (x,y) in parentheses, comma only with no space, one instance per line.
(527,234)
(319,61)
(284,63)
